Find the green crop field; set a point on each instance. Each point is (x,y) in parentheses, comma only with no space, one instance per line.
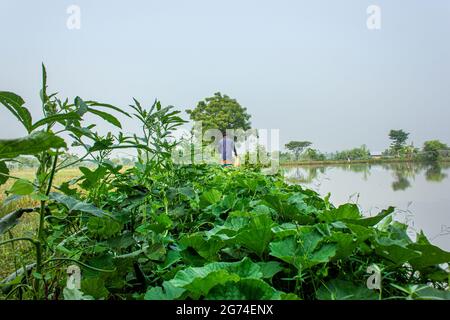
(14,255)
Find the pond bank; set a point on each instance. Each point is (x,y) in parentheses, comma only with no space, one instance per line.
(366,161)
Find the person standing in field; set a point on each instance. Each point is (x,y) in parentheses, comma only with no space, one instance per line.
(226,148)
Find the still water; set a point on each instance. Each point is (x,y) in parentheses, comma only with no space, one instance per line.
(420,193)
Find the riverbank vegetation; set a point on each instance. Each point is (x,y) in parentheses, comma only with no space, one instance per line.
(399,151)
(157,230)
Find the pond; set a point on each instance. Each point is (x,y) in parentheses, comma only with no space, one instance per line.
(420,192)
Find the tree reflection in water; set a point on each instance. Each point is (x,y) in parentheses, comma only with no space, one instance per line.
(404,173)
(434,173)
(306,174)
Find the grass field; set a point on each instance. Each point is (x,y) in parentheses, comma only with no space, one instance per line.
(15,255)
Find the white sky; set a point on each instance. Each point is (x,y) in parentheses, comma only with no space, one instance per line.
(309,68)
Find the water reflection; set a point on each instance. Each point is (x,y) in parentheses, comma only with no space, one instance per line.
(304,174)
(403,173)
(418,191)
(435,174)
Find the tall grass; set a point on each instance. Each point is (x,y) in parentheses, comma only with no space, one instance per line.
(15,255)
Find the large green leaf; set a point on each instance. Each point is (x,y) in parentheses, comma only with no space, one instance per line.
(172,258)
(395,251)
(430,256)
(308,239)
(229,229)
(348,211)
(289,212)
(428,293)
(361,233)
(21,187)
(32,144)
(345,242)
(94,287)
(167,292)
(187,191)
(103,228)
(210,197)
(257,235)
(206,248)
(284,230)
(76,205)
(162,223)
(203,282)
(198,281)
(322,255)
(344,290)
(371,221)
(286,250)
(304,251)
(245,289)
(14,104)
(269,269)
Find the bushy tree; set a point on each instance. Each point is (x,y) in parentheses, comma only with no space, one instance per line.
(432,149)
(297,147)
(220,112)
(398,138)
(360,153)
(314,154)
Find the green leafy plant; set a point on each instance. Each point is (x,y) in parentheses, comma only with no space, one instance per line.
(45,144)
(158,230)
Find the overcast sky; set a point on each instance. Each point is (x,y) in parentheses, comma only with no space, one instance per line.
(309,68)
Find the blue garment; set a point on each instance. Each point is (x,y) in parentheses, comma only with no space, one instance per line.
(226,147)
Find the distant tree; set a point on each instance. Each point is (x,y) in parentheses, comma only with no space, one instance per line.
(410,151)
(361,153)
(220,112)
(285,156)
(315,155)
(432,150)
(398,138)
(297,147)
(25,162)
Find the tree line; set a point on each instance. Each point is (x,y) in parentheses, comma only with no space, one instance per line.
(431,151)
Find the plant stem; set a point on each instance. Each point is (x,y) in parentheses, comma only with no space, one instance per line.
(18,239)
(52,174)
(80,263)
(40,242)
